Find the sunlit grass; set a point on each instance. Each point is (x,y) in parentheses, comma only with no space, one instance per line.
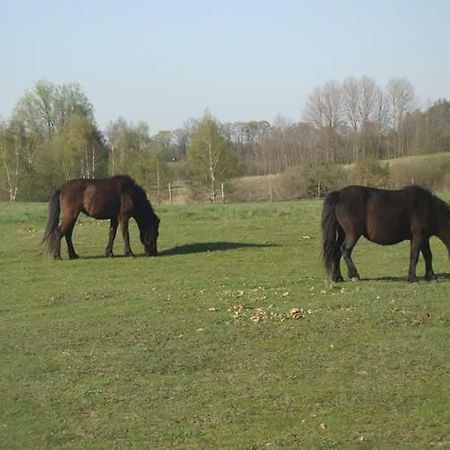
(196,348)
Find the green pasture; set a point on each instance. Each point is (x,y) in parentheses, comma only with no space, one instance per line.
(196,349)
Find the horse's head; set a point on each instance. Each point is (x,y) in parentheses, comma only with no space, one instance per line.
(149,236)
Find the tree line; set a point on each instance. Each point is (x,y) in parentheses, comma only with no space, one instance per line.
(52,136)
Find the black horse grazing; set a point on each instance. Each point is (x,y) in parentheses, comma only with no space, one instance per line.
(117,198)
(384,217)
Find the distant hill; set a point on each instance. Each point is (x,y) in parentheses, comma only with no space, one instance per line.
(432,171)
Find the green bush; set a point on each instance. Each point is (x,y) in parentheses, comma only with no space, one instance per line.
(323,177)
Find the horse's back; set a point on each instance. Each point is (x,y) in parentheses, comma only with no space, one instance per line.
(381,215)
(98,198)
(72,191)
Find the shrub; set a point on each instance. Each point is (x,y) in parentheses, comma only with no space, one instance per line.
(323,177)
(292,183)
(370,173)
(253,189)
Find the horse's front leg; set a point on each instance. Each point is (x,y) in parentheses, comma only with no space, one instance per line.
(428,257)
(112,235)
(126,235)
(416,244)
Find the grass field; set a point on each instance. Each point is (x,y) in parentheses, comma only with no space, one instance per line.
(196,348)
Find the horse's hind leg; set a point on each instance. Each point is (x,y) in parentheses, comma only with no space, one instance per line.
(68,236)
(347,248)
(426,251)
(56,243)
(336,274)
(112,236)
(66,230)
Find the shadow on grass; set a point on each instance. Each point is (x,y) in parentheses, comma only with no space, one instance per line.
(99,256)
(204,247)
(186,249)
(440,276)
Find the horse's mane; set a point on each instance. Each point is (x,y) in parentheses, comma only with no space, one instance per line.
(438,202)
(417,187)
(139,195)
(442,204)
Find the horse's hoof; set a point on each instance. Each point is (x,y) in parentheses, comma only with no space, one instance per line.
(411,279)
(74,256)
(57,258)
(431,277)
(110,255)
(354,279)
(337,279)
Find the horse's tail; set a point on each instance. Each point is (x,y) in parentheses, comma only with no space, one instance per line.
(330,231)
(54,210)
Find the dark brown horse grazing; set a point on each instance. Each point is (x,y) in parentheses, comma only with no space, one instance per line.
(117,198)
(384,217)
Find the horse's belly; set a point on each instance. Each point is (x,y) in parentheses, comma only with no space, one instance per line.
(385,241)
(386,237)
(99,216)
(102,209)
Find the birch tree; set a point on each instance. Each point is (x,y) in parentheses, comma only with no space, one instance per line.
(79,150)
(209,155)
(10,160)
(127,143)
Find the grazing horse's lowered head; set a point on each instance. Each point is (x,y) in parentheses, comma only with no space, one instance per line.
(149,232)
(147,220)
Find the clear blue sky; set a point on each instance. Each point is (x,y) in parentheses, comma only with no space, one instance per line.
(164,62)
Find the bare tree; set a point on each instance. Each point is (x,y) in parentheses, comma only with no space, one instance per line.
(332,104)
(381,119)
(368,100)
(400,98)
(351,101)
(324,106)
(325,110)
(181,138)
(314,110)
